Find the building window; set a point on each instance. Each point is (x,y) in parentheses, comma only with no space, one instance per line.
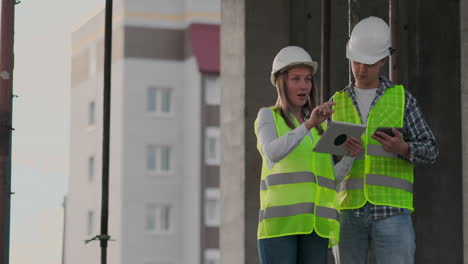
(151,99)
(159,100)
(212,146)
(165,100)
(158,159)
(158,218)
(91,168)
(212,207)
(91,113)
(90,223)
(212,90)
(212,256)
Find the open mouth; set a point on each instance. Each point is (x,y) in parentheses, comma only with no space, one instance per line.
(302,95)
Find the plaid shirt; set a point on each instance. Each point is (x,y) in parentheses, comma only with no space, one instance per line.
(423,147)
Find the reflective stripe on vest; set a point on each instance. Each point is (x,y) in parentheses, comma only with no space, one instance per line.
(378,180)
(352,184)
(387,181)
(326,212)
(297,209)
(377,150)
(361,155)
(287,178)
(295,177)
(286,210)
(326,183)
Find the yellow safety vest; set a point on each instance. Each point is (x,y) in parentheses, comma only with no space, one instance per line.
(378,176)
(298,195)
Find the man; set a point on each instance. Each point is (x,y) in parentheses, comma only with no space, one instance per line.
(376,198)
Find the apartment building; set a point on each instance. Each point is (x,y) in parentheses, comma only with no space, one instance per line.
(164,203)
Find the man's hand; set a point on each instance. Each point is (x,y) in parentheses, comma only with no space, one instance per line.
(354,146)
(394,144)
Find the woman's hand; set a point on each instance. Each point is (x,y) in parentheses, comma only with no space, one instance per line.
(354,146)
(319,114)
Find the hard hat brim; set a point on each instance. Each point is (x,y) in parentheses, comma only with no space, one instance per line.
(364,59)
(309,64)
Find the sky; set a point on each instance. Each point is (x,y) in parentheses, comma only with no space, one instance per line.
(41,119)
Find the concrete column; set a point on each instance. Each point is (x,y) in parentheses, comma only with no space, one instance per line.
(434,78)
(232,172)
(464,109)
(252,32)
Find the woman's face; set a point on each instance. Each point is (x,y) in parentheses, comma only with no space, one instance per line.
(298,86)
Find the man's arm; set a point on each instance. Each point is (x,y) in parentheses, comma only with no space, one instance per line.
(417,144)
(422,145)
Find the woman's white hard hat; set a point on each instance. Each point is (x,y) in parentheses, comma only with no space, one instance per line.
(369,42)
(290,57)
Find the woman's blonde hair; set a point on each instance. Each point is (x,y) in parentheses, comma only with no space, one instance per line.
(284,106)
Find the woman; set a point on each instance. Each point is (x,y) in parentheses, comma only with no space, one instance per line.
(298,216)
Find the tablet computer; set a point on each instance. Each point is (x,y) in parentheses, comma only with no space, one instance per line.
(333,139)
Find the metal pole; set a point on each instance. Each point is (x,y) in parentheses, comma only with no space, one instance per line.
(353,19)
(104,237)
(64,205)
(325,52)
(393,21)
(6,95)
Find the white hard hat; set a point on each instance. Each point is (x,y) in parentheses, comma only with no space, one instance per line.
(291,56)
(370,41)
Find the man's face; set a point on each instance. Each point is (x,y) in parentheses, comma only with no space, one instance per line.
(367,76)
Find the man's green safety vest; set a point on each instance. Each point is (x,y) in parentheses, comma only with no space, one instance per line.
(378,176)
(298,195)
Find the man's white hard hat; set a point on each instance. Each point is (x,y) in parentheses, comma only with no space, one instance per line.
(289,57)
(369,42)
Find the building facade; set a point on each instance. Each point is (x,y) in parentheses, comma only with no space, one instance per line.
(164,203)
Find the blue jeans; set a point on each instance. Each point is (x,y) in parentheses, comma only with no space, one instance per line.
(294,249)
(392,238)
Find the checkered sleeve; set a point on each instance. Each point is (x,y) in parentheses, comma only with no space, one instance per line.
(423,147)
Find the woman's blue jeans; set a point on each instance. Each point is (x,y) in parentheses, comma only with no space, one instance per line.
(294,249)
(392,238)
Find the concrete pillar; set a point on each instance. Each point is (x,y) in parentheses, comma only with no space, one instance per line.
(232,172)
(434,77)
(252,32)
(464,111)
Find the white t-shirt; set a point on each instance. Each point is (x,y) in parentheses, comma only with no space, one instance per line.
(364,98)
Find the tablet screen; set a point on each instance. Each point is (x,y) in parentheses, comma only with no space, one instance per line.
(333,139)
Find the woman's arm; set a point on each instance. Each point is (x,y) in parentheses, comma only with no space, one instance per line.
(342,168)
(275,148)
